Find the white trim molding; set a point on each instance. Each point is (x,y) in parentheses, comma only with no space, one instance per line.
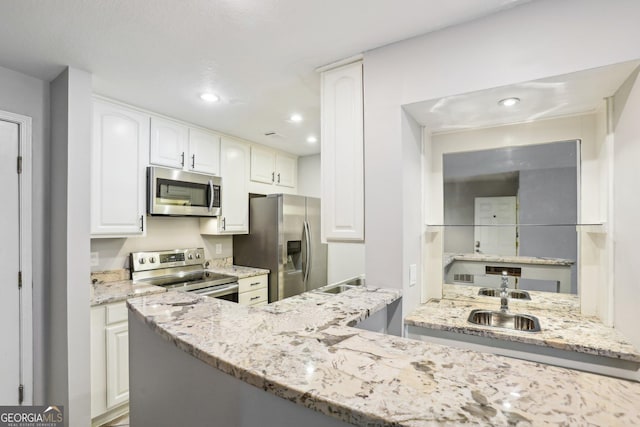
(26,266)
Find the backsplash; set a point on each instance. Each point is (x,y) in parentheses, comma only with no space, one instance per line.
(110,276)
(162,233)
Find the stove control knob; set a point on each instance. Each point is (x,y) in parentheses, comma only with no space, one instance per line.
(141,261)
(152,260)
(190,256)
(198,256)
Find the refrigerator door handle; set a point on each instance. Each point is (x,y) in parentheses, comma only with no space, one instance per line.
(307,239)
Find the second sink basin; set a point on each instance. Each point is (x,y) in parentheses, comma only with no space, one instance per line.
(499,319)
(513,293)
(338,289)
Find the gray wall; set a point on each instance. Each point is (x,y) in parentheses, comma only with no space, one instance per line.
(459,208)
(22,94)
(68,362)
(549,196)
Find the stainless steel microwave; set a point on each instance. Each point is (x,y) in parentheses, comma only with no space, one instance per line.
(180,193)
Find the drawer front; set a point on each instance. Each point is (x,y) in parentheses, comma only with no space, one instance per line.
(249,284)
(116,313)
(256,297)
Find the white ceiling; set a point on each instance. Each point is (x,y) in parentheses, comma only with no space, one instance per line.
(574,93)
(258,55)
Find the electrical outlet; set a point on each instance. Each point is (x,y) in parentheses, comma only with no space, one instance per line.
(218,248)
(95,259)
(412,275)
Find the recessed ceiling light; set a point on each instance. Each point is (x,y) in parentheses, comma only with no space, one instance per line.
(312,139)
(209,97)
(509,102)
(296,118)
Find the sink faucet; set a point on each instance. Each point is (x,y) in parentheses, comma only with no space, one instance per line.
(504,294)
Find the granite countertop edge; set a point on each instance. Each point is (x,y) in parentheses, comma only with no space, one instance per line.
(424,367)
(556,328)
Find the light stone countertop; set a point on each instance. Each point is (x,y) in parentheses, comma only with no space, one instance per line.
(241,272)
(561,328)
(226,266)
(303,349)
(539,299)
(106,293)
(451,257)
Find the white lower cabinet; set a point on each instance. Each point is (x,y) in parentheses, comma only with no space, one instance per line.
(109,362)
(253,290)
(117,364)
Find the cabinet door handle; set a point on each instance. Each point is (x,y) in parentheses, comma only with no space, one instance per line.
(254,284)
(141,222)
(193,161)
(224,223)
(182,161)
(273,177)
(253,298)
(278,177)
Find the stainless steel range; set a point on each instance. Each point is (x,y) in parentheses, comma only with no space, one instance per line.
(182,270)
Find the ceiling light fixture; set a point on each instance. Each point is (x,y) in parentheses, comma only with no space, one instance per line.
(312,139)
(508,102)
(295,118)
(209,97)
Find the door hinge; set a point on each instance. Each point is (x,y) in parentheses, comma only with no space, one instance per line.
(20,394)
(19,164)
(19,279)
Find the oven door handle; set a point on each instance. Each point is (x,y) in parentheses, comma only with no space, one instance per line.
(217,292)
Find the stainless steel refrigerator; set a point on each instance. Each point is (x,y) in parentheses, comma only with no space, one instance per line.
(284,236)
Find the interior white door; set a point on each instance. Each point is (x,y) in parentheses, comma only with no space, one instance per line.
(9,265)
(491,235)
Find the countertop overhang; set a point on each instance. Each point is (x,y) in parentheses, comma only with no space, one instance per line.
(305,349)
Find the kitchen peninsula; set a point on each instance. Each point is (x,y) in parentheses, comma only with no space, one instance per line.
(301,361)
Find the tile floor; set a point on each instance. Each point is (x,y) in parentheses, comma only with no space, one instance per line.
(123,421)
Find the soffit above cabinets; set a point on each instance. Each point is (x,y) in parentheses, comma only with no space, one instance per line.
(568,94)
(258,56)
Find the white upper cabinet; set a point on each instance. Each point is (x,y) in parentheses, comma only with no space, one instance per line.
(342,153)
(286,170)
(263,165)
(234,168)
(204,152)
(119,153)
(271,167)
(168,143)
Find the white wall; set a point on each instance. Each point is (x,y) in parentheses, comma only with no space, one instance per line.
(29,96)
(162,233)
(531,41)
(309,175)
(626,205)
(67,332)
(344,260)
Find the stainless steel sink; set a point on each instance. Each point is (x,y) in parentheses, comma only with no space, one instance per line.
(513,293)
(358,281)
(499,319)
(337,289)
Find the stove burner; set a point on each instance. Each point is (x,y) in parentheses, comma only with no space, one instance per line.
(179,269)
